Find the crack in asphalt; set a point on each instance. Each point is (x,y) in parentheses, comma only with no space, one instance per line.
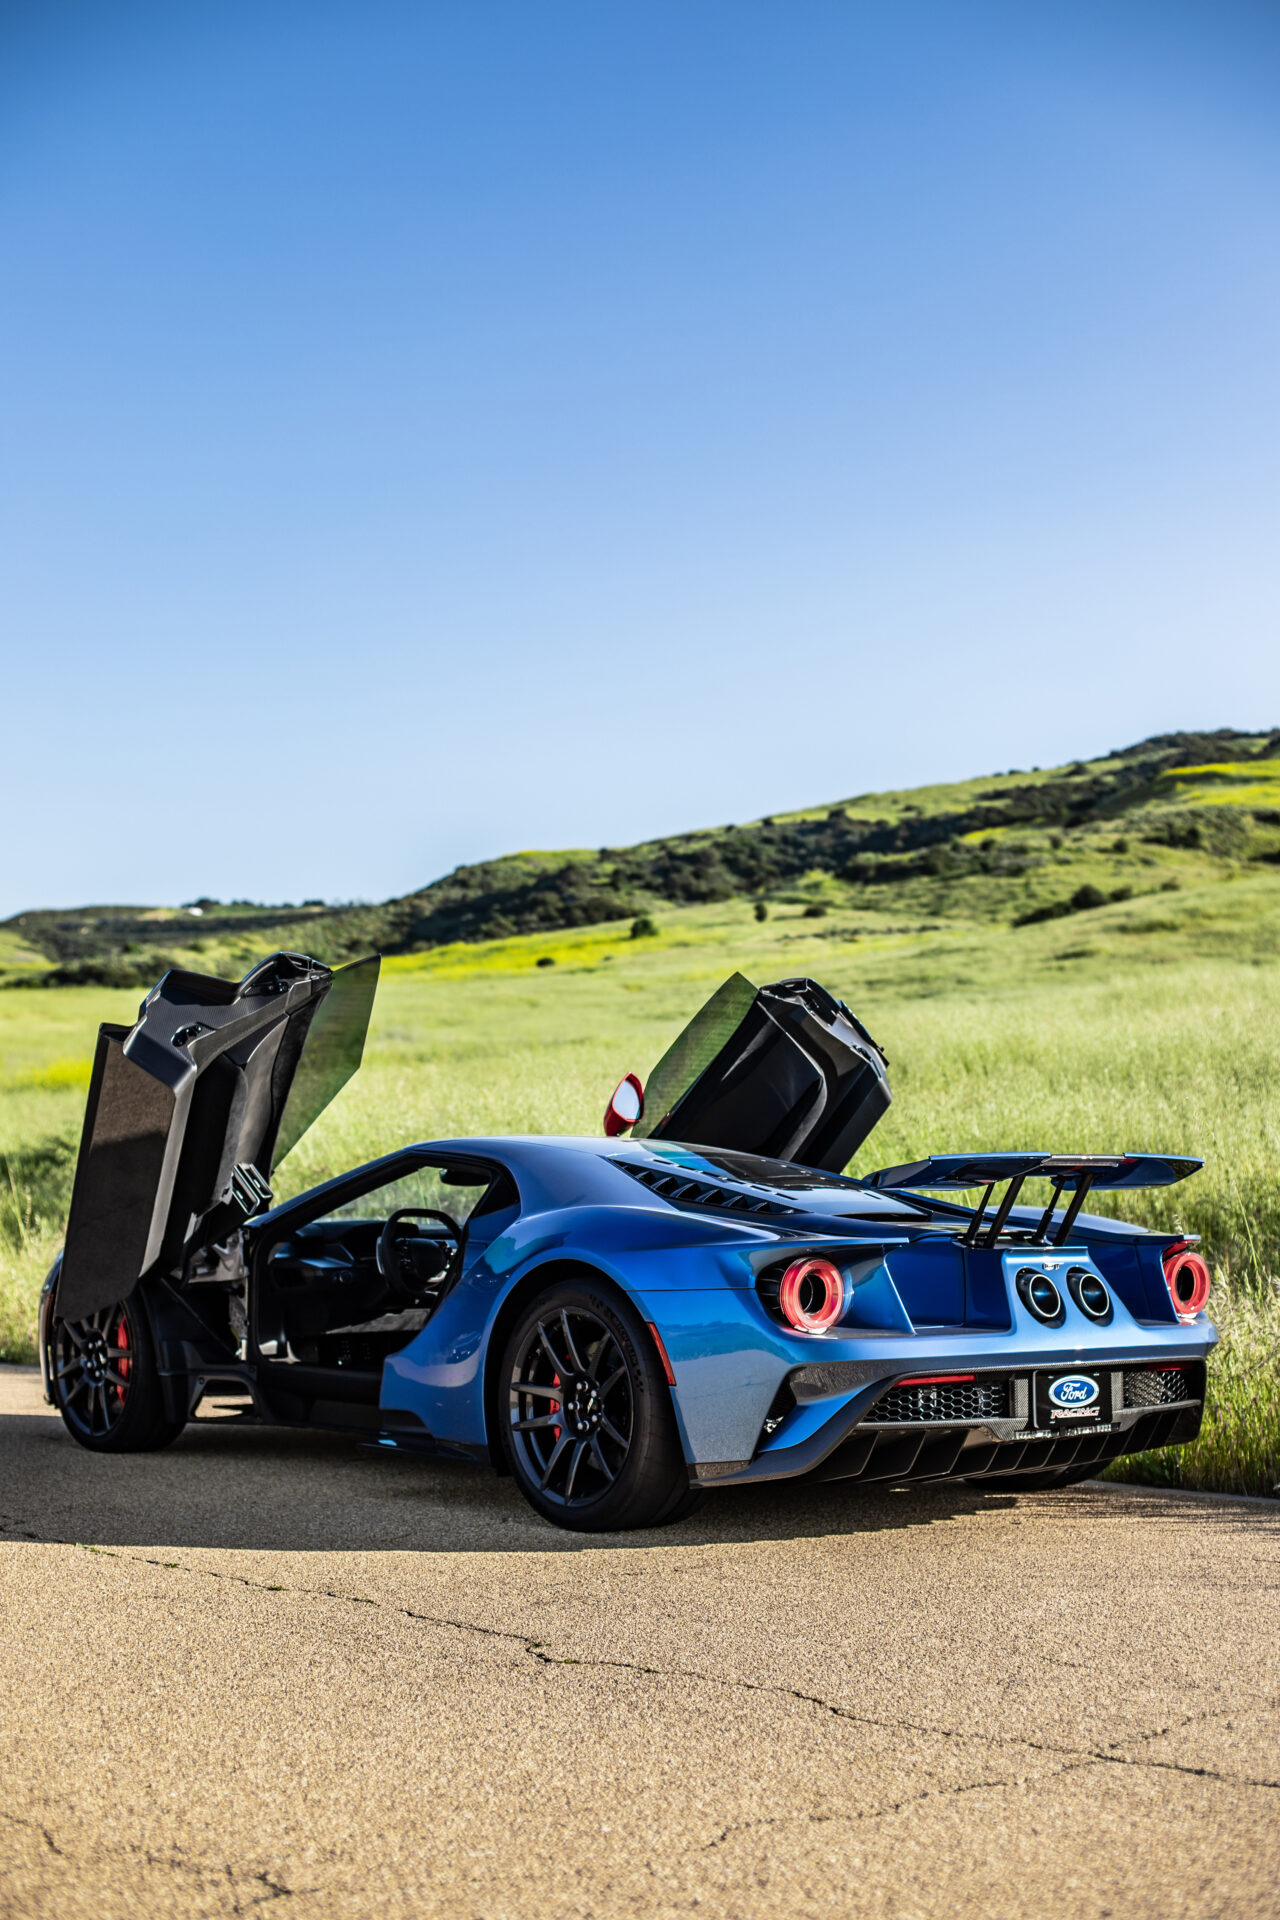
(16,1820)
(538,1650)
(273,1890)
(865,1814)
(1077,1764)
(237,1878)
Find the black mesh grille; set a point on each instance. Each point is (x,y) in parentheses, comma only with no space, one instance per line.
(945,1400)
(1155,1386)
(684,1191)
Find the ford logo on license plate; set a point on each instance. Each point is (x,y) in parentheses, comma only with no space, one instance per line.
(1072,1392)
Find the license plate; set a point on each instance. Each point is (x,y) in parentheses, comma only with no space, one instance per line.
(1075,1398)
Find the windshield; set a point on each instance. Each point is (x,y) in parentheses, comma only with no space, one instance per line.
(456,1191)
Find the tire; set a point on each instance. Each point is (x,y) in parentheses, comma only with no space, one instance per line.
(612,1459)
(105,1384)
(1038,1482)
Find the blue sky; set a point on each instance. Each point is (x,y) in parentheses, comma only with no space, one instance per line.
(428,430)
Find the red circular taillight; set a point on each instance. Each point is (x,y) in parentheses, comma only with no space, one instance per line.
(1187,1278)
(811,1295)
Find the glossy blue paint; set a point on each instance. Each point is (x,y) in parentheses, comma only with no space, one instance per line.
(916,1300)
(929,1278)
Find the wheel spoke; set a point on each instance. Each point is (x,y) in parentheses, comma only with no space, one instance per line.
(68,1327)
(543,1420)
(612,1381)
(73,1365)
(602,1348)
(79,1387)
(550,1351)
(550,1467)
(116,1379)
(601,1462)
(533,1386)
(571,1351)
(574,1464)
(607,1426)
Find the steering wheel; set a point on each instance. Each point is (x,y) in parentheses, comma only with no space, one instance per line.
(391,1267)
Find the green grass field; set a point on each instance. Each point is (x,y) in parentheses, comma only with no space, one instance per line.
(1148,1023)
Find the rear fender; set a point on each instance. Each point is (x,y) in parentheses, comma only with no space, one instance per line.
(545,1274)
(445,1376)
(693,1279)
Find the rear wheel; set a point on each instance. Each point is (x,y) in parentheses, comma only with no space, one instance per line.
(588,1424)
(105,1383)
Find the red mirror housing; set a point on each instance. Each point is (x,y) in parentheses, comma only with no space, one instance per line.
(625,1106)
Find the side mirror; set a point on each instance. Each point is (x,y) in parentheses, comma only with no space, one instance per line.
(625,1107)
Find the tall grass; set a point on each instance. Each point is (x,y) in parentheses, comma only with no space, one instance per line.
(1188,1062)
(1238,1450)
(1157,1040)
(35,1191)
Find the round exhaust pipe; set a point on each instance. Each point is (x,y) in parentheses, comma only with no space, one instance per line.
(1039,1295)
(1090,1295)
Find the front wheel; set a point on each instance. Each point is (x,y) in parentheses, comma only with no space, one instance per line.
(588,1424)
(104,1381)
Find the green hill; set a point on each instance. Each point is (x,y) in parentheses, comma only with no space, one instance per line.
(1183,809)
(1079,958)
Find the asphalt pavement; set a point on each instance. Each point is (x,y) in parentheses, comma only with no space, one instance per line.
(274,1669)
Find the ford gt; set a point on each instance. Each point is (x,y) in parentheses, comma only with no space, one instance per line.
(698,1298)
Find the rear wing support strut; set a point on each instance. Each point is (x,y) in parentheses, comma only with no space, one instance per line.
(1078,1199)
(974,1236)
(1011,1193)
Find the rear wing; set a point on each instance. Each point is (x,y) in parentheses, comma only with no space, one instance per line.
(1076,1173)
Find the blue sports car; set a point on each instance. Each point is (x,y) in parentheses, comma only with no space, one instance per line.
(698,1298)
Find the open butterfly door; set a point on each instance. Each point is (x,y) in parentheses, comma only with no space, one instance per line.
(785,1071)
(192,1107)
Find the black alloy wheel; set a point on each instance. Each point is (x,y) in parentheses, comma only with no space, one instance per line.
(105,1383)
(589,1428)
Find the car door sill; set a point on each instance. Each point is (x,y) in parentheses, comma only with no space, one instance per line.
(321,1383)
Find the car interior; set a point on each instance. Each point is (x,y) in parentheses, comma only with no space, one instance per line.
(357,1282)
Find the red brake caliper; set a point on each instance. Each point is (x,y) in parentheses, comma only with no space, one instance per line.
(123,1365)
(554,1405)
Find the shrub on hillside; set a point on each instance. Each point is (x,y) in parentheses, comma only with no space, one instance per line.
(1084,900)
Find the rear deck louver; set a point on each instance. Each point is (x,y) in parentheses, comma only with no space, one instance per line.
(683,1191)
